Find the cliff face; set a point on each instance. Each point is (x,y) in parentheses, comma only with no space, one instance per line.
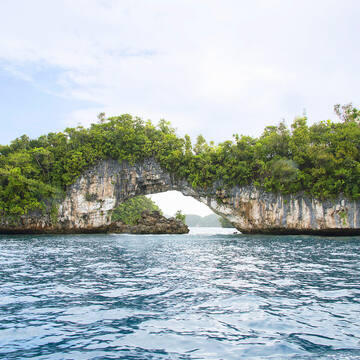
(251,210)
(89,201)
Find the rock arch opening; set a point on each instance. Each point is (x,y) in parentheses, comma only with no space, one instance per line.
(92,198)
(197,213)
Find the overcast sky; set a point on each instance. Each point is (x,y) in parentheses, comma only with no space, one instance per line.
(215,67)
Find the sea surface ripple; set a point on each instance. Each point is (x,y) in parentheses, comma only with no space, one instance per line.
(196,296)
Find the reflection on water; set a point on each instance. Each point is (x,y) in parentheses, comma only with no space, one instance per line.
(195,296)
(212,231)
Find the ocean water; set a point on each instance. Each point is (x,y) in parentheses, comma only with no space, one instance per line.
(197,296)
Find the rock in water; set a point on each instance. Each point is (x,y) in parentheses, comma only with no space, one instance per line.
(151,223)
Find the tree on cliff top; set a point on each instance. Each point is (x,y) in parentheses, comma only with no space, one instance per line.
(347,113)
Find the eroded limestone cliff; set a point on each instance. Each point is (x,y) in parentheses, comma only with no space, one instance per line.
(252,210)
(88,204)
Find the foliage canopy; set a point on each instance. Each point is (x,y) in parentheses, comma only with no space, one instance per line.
(180,216)
(130,210)
(322,160)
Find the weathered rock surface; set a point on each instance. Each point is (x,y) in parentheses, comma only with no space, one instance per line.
(151,223)
(89,202)
(252,210)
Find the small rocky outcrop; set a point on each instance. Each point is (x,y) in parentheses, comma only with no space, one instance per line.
(151,222)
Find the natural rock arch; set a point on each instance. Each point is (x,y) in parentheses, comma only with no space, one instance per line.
(89,201)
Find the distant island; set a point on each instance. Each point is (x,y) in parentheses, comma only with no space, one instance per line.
(302,179)
(211,220)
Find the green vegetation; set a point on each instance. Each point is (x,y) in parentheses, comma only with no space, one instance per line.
(130,210)
(343,216)
(225,223)
(322,160)
(180,216)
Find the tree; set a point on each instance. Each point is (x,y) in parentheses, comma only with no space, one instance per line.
(347,113)
(180,216)
(101,117)
(130,210)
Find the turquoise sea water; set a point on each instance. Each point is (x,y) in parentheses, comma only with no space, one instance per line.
(196,296)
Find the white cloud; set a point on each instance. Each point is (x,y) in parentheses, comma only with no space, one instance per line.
(209,66)
(215,67)
(172,201)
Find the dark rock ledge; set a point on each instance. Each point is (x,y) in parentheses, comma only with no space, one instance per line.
(151,223)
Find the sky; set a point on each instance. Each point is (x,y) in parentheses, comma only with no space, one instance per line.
(211,67)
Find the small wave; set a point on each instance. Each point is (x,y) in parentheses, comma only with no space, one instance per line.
(205,295)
